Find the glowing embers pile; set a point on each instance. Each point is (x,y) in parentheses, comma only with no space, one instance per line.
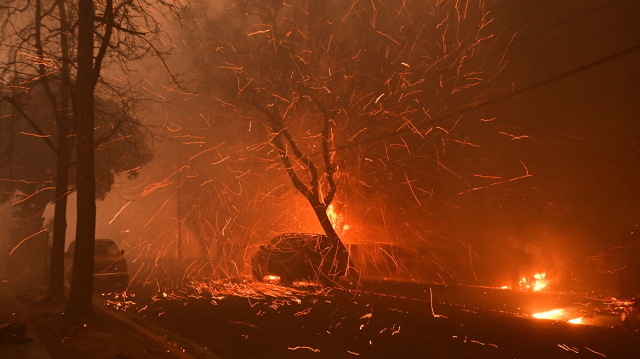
(536,283)
(558,314)
(248,288)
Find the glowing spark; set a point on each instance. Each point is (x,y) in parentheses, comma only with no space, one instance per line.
(484,176)
(207,150)
(35,135)
(595,352)
(447,168)
(155,214)
(222,160)
(513,137)
(154,186)
(388,37)
(359,132)
(22,241)
(411,188)
(259,32)
(568,348)
(302,347)
(432,312)
(303,312)
(495,184)
(117,214)
(33,194)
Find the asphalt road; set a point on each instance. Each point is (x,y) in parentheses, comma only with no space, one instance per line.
(244,319)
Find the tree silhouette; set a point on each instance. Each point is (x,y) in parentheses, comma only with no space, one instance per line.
(71,44)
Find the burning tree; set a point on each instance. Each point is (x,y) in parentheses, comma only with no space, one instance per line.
(339,85)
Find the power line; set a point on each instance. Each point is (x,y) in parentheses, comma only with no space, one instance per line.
(500,98)
(563,23)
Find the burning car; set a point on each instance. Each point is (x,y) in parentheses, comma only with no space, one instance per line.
(110,265)
(300,257)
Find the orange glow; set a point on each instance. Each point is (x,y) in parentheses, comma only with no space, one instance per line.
(271,279)
(552,314)
(558,314)
(537,283)
(336,219)
(575,320)
(333,215)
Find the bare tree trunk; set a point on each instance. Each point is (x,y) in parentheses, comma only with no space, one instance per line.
(337,262)
(80,297)
(56,272)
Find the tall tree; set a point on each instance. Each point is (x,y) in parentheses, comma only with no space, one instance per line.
(33,37)
(80,296)
(57,40)
(326,76)
(116,31)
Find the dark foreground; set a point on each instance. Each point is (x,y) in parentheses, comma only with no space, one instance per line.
(244,319)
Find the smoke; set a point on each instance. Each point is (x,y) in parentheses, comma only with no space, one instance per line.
(212,8)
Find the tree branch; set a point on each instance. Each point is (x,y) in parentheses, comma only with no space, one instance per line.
(104,44)
(31,122)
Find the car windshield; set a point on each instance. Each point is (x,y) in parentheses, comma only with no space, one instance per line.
(106,248)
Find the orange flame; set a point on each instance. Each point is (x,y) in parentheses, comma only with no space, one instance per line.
(558,314)
(537,283)
(551,314)
(336,219)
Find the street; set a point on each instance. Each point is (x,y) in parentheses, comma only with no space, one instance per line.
(246,319)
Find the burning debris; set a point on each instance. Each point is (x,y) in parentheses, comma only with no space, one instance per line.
(535,283)
(558,314)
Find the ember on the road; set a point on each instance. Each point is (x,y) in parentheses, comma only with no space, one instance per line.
(248,319)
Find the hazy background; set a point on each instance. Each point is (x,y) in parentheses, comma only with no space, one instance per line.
(572,134)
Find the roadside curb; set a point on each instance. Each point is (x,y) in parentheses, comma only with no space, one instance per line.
(177,345)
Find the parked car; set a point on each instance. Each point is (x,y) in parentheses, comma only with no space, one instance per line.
(302,257)
(110,265)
